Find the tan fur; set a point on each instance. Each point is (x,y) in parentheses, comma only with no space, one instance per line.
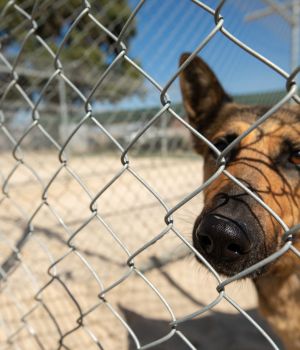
(210,111)
(279,300)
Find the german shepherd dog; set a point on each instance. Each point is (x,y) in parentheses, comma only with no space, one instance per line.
(234,231)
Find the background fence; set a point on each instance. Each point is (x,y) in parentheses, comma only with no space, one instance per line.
(96,167)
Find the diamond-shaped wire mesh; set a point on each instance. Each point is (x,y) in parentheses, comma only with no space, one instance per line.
(87,232)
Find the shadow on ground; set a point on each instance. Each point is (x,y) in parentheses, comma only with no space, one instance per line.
(217,331)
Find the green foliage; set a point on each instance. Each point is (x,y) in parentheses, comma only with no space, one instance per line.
(87,51)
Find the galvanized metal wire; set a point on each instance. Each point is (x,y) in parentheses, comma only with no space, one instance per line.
(30,215)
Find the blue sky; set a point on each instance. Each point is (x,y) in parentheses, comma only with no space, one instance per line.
(166,28)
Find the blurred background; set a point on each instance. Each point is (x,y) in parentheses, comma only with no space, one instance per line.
(44,203)
(157,37)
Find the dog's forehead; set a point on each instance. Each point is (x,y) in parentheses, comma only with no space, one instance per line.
(236,119)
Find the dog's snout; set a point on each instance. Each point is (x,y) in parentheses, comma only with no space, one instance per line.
(221,239)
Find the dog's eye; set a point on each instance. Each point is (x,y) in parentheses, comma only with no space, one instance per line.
(221,144)
(295,158)
(224,141)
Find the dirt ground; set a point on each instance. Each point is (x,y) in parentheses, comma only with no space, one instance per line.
(66,283)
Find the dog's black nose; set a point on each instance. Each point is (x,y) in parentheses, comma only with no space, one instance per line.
(222,239)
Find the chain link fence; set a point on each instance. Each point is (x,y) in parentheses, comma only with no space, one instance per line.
(95,237)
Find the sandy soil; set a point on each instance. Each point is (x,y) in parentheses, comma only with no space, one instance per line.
(69,286)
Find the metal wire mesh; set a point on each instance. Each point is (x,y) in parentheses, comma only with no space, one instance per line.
(30,210)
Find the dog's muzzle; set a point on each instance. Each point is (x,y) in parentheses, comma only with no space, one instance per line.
(229,235)
(222,239)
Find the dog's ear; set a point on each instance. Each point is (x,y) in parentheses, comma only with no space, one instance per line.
(202,93)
